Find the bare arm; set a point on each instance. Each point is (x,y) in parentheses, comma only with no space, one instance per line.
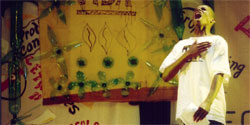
(173,69)
(205,106)
(193,52)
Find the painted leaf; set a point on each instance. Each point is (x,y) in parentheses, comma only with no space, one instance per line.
(149,25)
(89,37)
(156,83)
(52,36)
(68,2)
(150,42)
(125,92)
(106,94)
(61,63)
(52,82)
(177,17)
(72,45)
(42,56)
(72,85)
(116,81)
(81,92)
(152,67)
(159,5)
(80,76)
(62,80)
(7,57)
(101,75)
(61,15)
(135,85)
(94,85)
(126,39)
(155,86)
(105,38)
(46,12)
(130,75)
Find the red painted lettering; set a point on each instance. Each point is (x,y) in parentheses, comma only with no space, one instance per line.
(77,123)
(83,122)
(96,123)
(241,27)
(27,60)
(39,86)
(35,68)
(35,96)
(39,77)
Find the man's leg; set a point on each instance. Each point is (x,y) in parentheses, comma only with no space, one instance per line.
(212,122)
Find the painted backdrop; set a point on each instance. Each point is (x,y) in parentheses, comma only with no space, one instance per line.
(104,50)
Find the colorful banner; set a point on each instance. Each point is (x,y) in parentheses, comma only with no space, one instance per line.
(118,19)
(32,111)
(104,50)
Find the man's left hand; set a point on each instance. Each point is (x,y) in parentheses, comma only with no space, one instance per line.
(202,112)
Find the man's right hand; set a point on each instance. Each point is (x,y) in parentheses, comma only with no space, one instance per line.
(197,49)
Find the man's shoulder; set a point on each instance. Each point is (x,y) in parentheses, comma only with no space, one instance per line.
(183,41)
(220,40)
(219,37)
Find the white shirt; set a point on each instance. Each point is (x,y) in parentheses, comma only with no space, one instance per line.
(195,77)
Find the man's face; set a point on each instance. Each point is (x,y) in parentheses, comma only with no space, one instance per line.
(203,15)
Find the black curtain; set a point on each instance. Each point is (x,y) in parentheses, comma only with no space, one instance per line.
(155,113)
